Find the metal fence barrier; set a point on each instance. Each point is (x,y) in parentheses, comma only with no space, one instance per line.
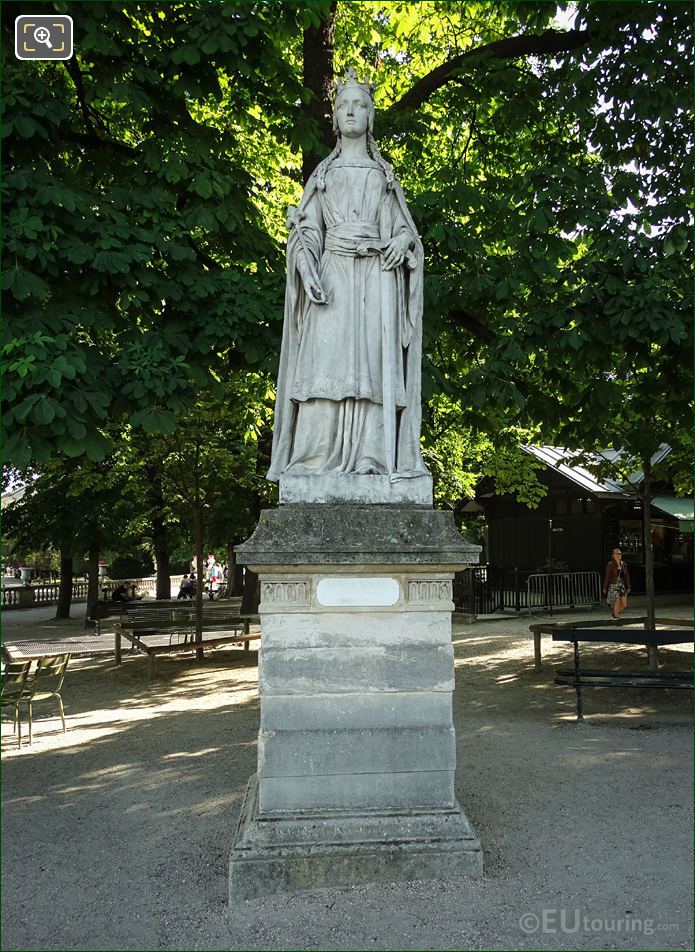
(486,589)
(563,590)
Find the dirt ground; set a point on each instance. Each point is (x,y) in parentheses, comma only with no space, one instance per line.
(116,834)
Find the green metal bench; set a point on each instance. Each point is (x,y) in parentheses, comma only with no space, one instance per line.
(547,628)
(152,630)
(579,678)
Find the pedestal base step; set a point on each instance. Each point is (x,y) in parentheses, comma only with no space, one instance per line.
(287,853)
(356,490)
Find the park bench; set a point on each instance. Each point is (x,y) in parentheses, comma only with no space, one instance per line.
(547,628)
(181,614)
(151,629)
(579,677)
(106,608)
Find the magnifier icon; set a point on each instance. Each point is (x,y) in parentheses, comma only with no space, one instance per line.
(43,35)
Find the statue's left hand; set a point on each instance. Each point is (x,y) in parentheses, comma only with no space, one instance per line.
(395,252)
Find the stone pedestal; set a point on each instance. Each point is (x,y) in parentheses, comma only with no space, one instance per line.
(356,750)
(25,596)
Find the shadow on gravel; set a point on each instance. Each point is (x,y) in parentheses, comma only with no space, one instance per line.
(104,841)
(496,674)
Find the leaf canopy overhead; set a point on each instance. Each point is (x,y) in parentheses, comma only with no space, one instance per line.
(544,150)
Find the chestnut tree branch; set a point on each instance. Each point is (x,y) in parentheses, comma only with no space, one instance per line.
(512,47)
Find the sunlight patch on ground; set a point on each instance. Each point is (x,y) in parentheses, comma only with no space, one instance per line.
(191,753)
(214,689)
(23,801)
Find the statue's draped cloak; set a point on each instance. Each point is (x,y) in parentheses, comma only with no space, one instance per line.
(330,382)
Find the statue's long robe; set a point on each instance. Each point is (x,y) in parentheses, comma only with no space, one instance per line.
(329,413)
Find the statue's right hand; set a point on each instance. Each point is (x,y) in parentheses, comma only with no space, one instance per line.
(312,285)
(315,292)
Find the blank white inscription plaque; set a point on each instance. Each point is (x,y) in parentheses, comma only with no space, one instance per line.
(344,591)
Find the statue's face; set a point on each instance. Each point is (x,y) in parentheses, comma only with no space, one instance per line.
(352,113)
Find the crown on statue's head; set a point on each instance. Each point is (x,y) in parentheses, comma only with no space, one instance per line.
(351,81)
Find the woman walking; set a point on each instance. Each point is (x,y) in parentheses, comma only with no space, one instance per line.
(616,584)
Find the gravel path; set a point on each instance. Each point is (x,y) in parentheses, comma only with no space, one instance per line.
(116,834)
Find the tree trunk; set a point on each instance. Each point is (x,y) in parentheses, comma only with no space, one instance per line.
(160,538)
(251,597)
(65,590)
(161,554)
(92,581)
(318,79)
(235,573)
(197,507)
(647,542)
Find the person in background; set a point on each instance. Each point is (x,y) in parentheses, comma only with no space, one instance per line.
(616,584)
(120,593)
(215,580)
(185,588)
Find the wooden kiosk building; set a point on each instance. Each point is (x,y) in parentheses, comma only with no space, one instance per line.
(582,518)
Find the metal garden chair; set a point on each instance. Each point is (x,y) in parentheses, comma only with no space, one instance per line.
(46,685)
(14,679)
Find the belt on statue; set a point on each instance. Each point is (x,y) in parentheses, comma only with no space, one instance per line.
(357,238)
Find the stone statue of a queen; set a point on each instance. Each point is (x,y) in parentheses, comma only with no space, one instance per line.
(348,397)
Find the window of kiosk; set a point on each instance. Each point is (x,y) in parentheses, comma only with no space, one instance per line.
(630,533)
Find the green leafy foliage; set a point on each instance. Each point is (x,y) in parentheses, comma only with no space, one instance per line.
(136,250)
(147,183)
(553,195)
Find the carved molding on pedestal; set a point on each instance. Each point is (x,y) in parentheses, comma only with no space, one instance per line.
(281,594)
(429,591)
